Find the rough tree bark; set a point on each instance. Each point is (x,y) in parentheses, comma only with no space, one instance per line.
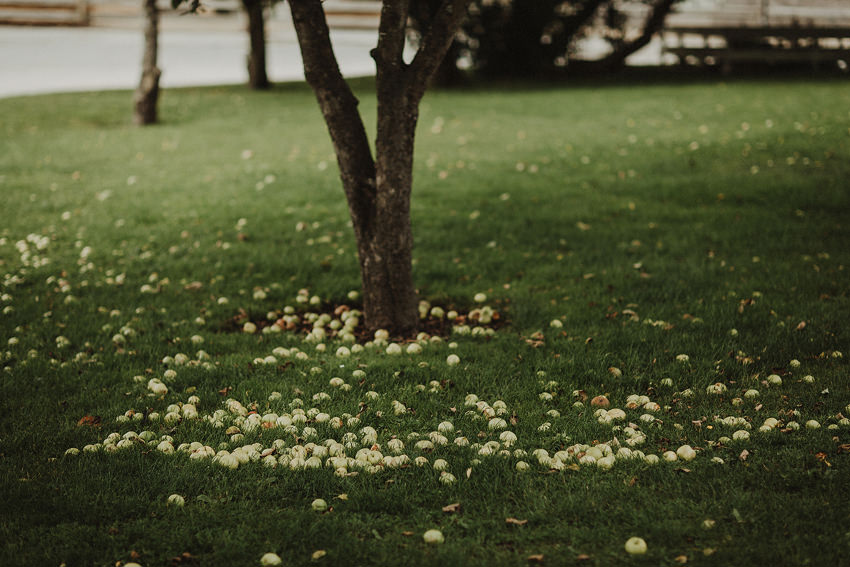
(378,189)
(257,77)
(147,94)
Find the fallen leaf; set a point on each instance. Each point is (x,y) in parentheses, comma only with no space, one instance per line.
(681,559)
(515,522)
(451,508)
(683,470)
(343,496)
(582,557)
(469,472)
(822,458)
(801,325)
(744,454)
(318,554)
(407,533)
(184,558)
(89,420)
(538,558)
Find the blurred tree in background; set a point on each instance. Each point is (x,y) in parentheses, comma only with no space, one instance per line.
(539,38)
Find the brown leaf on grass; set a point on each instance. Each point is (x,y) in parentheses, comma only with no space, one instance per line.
(515,522)
(800,326)
(582,557)
(681,559)
(683,470)
(822,458)
(225,391)
(184,558)
(89,420)
(536,558)
(407,533)
(193,286)
(744,454)
(318,554)
(844,448)
(469,472)
(451,508)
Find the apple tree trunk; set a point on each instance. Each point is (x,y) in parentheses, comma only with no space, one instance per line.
(378,189)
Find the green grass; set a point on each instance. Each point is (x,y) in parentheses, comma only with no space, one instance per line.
(703,207)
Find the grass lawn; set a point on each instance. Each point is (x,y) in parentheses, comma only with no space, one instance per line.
(682,250)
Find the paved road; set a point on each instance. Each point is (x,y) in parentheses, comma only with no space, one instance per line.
(193,51)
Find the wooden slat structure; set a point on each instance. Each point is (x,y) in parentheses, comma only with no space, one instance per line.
(353,14)
(769,32)
(44,12)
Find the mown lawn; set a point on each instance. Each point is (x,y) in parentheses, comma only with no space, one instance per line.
(681,249)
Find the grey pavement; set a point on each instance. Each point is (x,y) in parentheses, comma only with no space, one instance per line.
(194,50)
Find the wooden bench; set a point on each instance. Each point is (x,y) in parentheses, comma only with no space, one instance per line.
(353,14)
(44,12)
(761,32)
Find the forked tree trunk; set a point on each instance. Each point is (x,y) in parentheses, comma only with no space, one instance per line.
(147,94)
(378,190)
(257,77)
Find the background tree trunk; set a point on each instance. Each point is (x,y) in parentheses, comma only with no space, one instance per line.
(257,77)
(147,94)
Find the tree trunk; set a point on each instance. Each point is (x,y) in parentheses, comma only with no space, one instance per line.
(257,77)
(378,190)
(147,94)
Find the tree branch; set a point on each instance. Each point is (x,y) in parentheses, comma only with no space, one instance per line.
(388,55)
(435,44)
(651,26)
(338,105)
(576,21)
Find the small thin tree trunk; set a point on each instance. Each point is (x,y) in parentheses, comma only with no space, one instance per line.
(257,77)
(147,94)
